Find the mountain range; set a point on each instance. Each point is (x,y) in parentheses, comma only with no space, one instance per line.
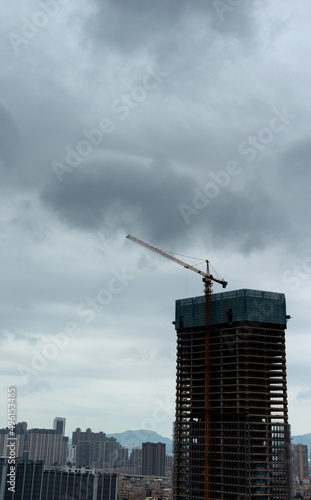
(136,438)
(302,439)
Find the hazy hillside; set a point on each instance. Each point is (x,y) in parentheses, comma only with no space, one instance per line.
(302,439)
(136,438)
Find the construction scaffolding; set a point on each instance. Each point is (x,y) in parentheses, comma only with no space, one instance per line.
(247,420)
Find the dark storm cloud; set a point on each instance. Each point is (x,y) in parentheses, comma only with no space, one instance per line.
(244,220)
(146,201)
(165,26)
(121,196)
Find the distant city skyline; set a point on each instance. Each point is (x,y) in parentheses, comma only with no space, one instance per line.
(51,445)
(70,433)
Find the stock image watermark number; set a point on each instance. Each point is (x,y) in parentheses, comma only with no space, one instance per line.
(11,446)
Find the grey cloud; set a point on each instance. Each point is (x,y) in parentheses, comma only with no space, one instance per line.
(134,355)
(121,196)
(8,137)
(7,336)
(245,220)
(146,201)
(162,27)
(34,385)
(304,394)
(33,229)
(295,163)
(59,241)
(293,177)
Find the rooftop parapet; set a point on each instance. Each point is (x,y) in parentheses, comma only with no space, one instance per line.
(245,305)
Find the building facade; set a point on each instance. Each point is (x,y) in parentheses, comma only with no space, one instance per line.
(95,449)
(59,424)
(231,435)
(26,484)
(48,445)
(72,454)
(153,459)
(32,482)
(135,461)
(123,457)
(20,432)
(78,485)
(300,461)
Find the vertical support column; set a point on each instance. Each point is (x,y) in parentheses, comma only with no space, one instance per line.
(207,423)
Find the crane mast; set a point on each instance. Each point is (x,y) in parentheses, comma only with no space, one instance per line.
(207,279)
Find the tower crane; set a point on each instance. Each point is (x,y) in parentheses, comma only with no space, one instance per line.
(206,276)
(207,280)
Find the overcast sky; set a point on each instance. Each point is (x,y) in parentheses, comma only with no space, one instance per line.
(184,123)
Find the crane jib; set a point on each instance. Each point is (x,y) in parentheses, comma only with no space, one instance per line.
(170,257)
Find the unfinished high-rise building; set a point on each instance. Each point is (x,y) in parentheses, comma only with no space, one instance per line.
(231,436)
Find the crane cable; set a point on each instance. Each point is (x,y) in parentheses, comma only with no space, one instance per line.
(187,256)
(202,261)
